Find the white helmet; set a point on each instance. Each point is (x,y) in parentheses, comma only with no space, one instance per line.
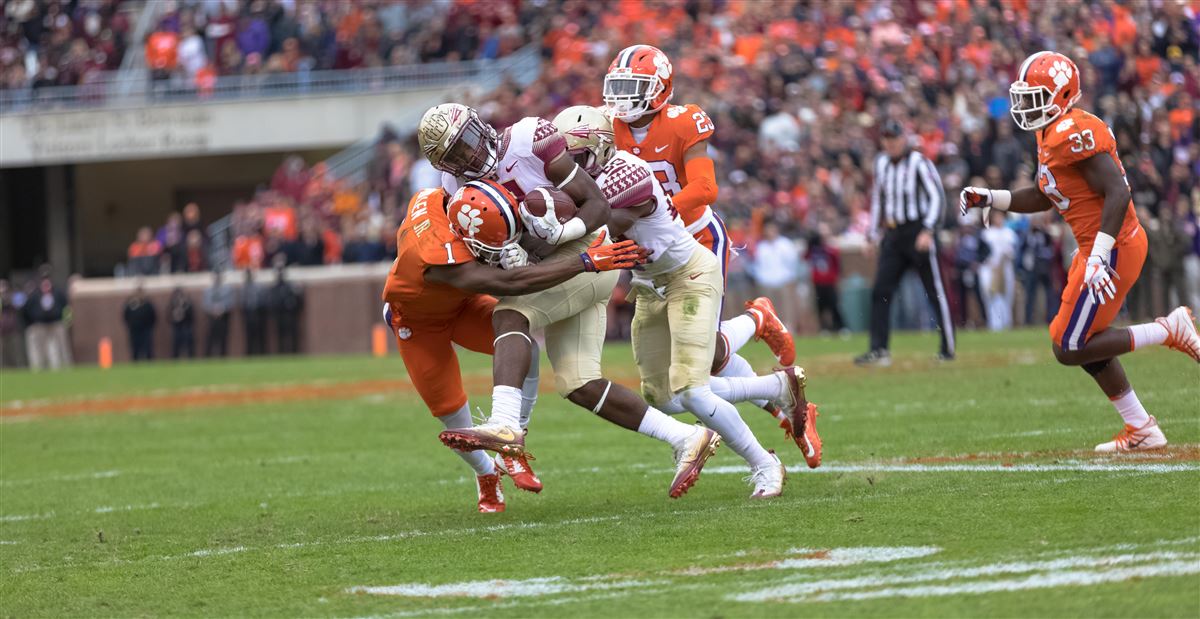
(454,139)
(589,136)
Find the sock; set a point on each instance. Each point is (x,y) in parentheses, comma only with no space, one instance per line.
(724,418)
(767,387)
(1131,409)
(506,406)
(529,390)
(656,424)
(674,406)
(737,366)
(738,331)
(1148,334)
(477,460)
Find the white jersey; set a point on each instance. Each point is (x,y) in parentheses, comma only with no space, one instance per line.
(525,149)
(628,181)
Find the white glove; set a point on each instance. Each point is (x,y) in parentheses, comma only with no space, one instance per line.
(974,197)
(648,286)
(546,227)
(513,256)
(1098,276)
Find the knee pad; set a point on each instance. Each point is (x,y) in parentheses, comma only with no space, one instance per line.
(1095,367)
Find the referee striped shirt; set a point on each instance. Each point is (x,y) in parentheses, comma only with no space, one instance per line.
(906,190)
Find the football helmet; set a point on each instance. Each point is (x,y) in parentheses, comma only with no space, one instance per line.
(1046,87)
(589,136)
(454,139)
(484,215)
(638,82)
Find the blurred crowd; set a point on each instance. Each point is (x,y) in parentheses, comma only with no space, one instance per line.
(59,42)
(34,317)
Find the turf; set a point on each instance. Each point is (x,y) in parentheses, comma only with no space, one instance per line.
(277,508)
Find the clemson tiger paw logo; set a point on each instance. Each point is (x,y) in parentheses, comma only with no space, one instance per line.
(1060,72)
(662,66)
(469,220)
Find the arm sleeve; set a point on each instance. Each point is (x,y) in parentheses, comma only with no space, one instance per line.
(934,193)
(701,189)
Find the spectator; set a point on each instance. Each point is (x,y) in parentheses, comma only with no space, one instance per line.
(1172,244)
(144,253)
(825,262)
(776,259)
(254,301)
(195,254)
(183,319)
(218,304)
(12,344)
(970,252)
(191,221)
(1036,258)
(140,319)
(1190,221)
(996,277)
(44,312)
(170,239)
(286,304)
(248,250)
(162,54)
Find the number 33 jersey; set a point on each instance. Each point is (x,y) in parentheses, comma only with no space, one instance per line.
(674,130)
(1062,145)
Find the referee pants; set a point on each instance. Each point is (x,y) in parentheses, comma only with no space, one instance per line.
(897,254)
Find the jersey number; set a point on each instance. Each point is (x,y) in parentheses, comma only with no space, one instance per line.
(664,171)
(1050,188)
(1084,140)
(449,254)
(702,122)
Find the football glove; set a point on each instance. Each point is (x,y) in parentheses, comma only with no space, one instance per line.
(513,256)
(1098,277)
(621,255)
(547,227)
(974,197)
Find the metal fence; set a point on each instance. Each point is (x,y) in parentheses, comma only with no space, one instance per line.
(111,90)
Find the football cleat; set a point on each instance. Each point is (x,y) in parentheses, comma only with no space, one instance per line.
(881,358)
(691,458)
(776,411)
(1130,439)
(517,467)
(809,441)
(490,436)
(770,329)
(491,494)
(1181,332)
(768,479)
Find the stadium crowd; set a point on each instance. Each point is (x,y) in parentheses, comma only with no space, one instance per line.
(797,91)
(59,42)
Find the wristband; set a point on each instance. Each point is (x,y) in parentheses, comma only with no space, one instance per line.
(1001,199)
(572,230)
(1102,246)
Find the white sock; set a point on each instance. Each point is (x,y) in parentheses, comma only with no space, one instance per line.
(1131,409)
(737,366)
(529,390)
(674,406)
(737,331)
(1148,334)
(506,406)
(724,418)
(477,460)
(656,424)
(732,389)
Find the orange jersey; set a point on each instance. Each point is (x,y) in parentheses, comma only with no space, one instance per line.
(1062,145)
(674,130)
(425,240)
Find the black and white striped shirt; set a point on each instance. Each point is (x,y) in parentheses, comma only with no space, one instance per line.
(907,190)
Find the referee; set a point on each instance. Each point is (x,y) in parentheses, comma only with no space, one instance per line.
(907,203)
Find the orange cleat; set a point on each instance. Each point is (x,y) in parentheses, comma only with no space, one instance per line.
(491,494)
(517,467)
(770,329)
(809,441)
(803,415)
(490,436)
(1145,438)
(691,458)
(1181,332)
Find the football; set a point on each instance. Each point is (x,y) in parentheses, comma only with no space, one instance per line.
(543,199)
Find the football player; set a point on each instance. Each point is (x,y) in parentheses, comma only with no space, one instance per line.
(673,139)
(529,155)
(437,294)
(1081,176)
(677,296)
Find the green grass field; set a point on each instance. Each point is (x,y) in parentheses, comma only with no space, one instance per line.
(947,490)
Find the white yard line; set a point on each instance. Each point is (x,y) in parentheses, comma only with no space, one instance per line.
(531,587)
(882,467)
(24,517)
(58,478)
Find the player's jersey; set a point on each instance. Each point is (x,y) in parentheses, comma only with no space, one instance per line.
(424,240)
(526,148)
(1064,143)
(674,130)
(627,182)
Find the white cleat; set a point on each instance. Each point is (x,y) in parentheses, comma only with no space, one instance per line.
(1133,439)
(768,479)
(1181,332)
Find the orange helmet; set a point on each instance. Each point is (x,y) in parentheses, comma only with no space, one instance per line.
(1046,87)
(484,215)
(638,82)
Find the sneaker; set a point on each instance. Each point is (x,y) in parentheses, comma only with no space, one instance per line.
(490,436)
(881,358)
(768,479)
(1181,332)
(770,329)
(517,467)
(691,458)
(1130,439)
(491,494)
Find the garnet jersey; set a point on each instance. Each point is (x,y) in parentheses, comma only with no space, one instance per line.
(1063,144)
(425,240)
(627,182)
(669,135)
(525,149)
